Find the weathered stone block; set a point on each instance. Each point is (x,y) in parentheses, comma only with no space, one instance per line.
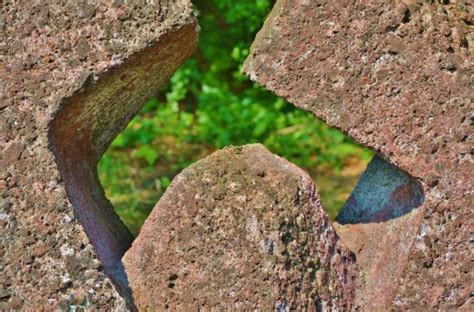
(72,75)
(241,229)
(397,77)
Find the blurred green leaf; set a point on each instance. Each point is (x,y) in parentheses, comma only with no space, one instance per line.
(148,153)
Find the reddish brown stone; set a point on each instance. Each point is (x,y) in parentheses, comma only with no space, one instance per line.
(72,75)
(391,75)
(241,229)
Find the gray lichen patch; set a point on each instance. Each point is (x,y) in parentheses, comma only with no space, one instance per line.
(241,229)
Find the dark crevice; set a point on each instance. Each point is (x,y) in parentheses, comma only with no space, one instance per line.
(406,16)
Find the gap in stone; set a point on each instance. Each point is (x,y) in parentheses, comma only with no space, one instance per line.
(167,136)
(209,104)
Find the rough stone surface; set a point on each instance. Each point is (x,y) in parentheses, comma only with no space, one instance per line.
(379,220)
(397,76)
(241,229)
(78,71)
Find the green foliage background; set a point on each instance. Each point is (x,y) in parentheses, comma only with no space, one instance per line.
(209,104)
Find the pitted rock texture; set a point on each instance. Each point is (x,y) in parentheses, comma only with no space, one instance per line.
(397,76)
(57,54)
(379,221)
(240,229)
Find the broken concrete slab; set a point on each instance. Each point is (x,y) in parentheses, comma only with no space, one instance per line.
(73,74)
(397,77)
(241,229)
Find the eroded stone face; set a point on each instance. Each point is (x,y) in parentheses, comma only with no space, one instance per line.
(82,64)
(397,76)
(240,229)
